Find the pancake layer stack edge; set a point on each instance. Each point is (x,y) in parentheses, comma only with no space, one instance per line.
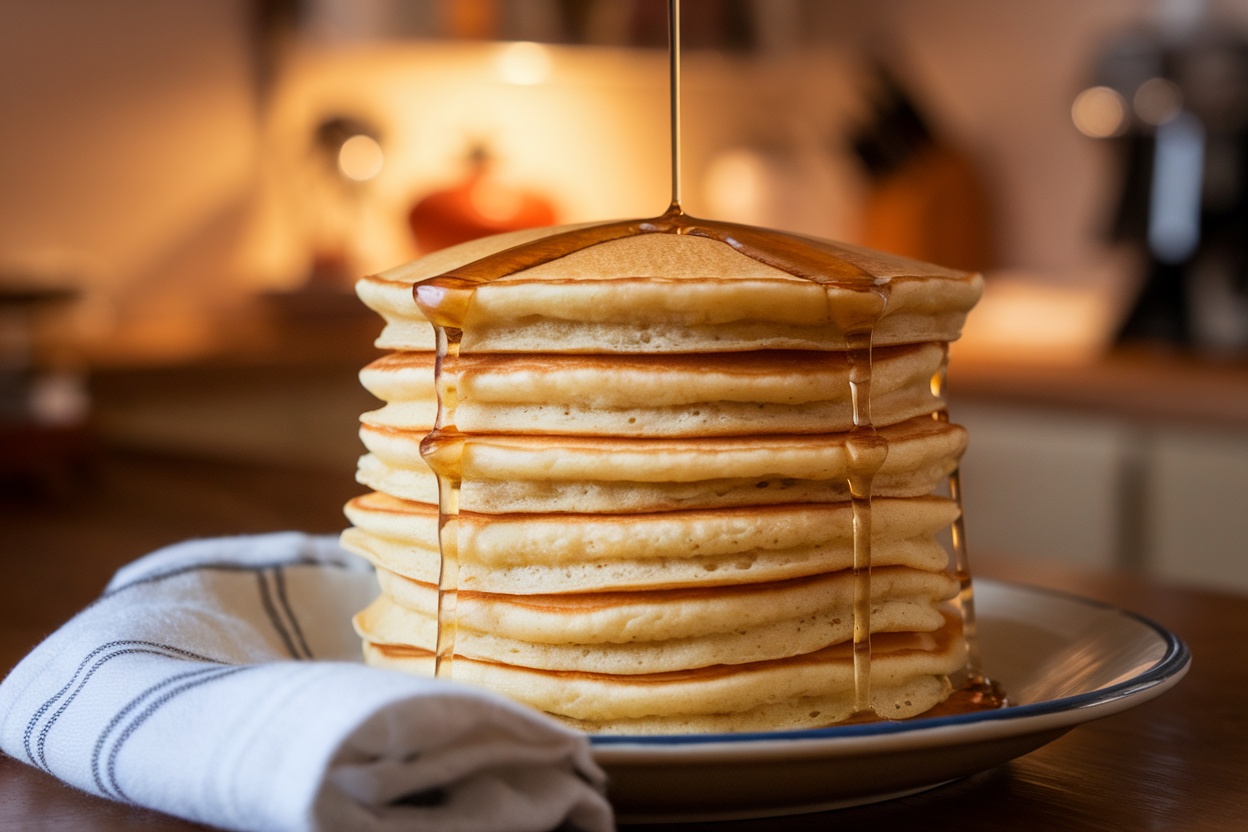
(659,442)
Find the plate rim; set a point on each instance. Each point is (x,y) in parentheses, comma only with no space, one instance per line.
(1033,717)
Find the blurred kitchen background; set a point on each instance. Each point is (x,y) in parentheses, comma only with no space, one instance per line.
(189,188)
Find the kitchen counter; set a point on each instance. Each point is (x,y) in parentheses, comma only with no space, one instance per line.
(1149,385)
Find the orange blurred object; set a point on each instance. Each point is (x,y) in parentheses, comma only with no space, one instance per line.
(932,208)
(476,207)
(926,197)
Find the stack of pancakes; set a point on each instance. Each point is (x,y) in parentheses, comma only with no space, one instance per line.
(653,440)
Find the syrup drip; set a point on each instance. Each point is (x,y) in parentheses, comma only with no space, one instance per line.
(449,478)
(866,452)
(977,692)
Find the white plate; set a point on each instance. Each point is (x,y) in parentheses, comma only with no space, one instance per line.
(1063,661)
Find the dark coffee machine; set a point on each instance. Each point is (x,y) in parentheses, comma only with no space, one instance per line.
(1181,139)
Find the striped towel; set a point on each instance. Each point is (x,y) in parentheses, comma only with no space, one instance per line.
(219,680)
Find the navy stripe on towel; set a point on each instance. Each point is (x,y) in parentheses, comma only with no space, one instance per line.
(146,713)
(81,676)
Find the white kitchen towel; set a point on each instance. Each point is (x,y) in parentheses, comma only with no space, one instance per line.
(219,680)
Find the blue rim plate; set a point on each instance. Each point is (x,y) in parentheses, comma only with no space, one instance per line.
(1063,661)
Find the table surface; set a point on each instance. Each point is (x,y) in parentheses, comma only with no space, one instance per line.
(1178,762)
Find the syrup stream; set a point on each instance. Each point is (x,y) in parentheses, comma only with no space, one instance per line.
(673,51)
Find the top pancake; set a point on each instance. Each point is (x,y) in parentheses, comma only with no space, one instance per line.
(665,292)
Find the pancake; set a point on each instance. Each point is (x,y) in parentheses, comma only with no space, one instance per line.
(406,329)
(598,575)
(680,292)
(671,293)
(419,563)
(659,615)
(909,675)
(611,475)
(388,621)
(531,554)
(669,634)
(416,483)
(404,381)
(519,539)
(683,395)
(688,395)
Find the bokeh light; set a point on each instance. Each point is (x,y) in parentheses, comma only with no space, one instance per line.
(1099,112)
(524,63)
(1157,101)
(360,158)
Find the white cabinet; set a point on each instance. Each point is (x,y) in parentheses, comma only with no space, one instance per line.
(1105,491)
(1042,484)
(1195,526)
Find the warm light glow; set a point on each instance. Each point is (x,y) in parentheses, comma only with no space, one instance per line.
(524,63)
(1157,101)
(1031,318)
(1099,112)
(360,158)
(736,184)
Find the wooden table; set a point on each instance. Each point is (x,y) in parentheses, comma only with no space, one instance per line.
(1179,762)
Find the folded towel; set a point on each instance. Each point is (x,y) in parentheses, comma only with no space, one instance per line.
(219,680)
